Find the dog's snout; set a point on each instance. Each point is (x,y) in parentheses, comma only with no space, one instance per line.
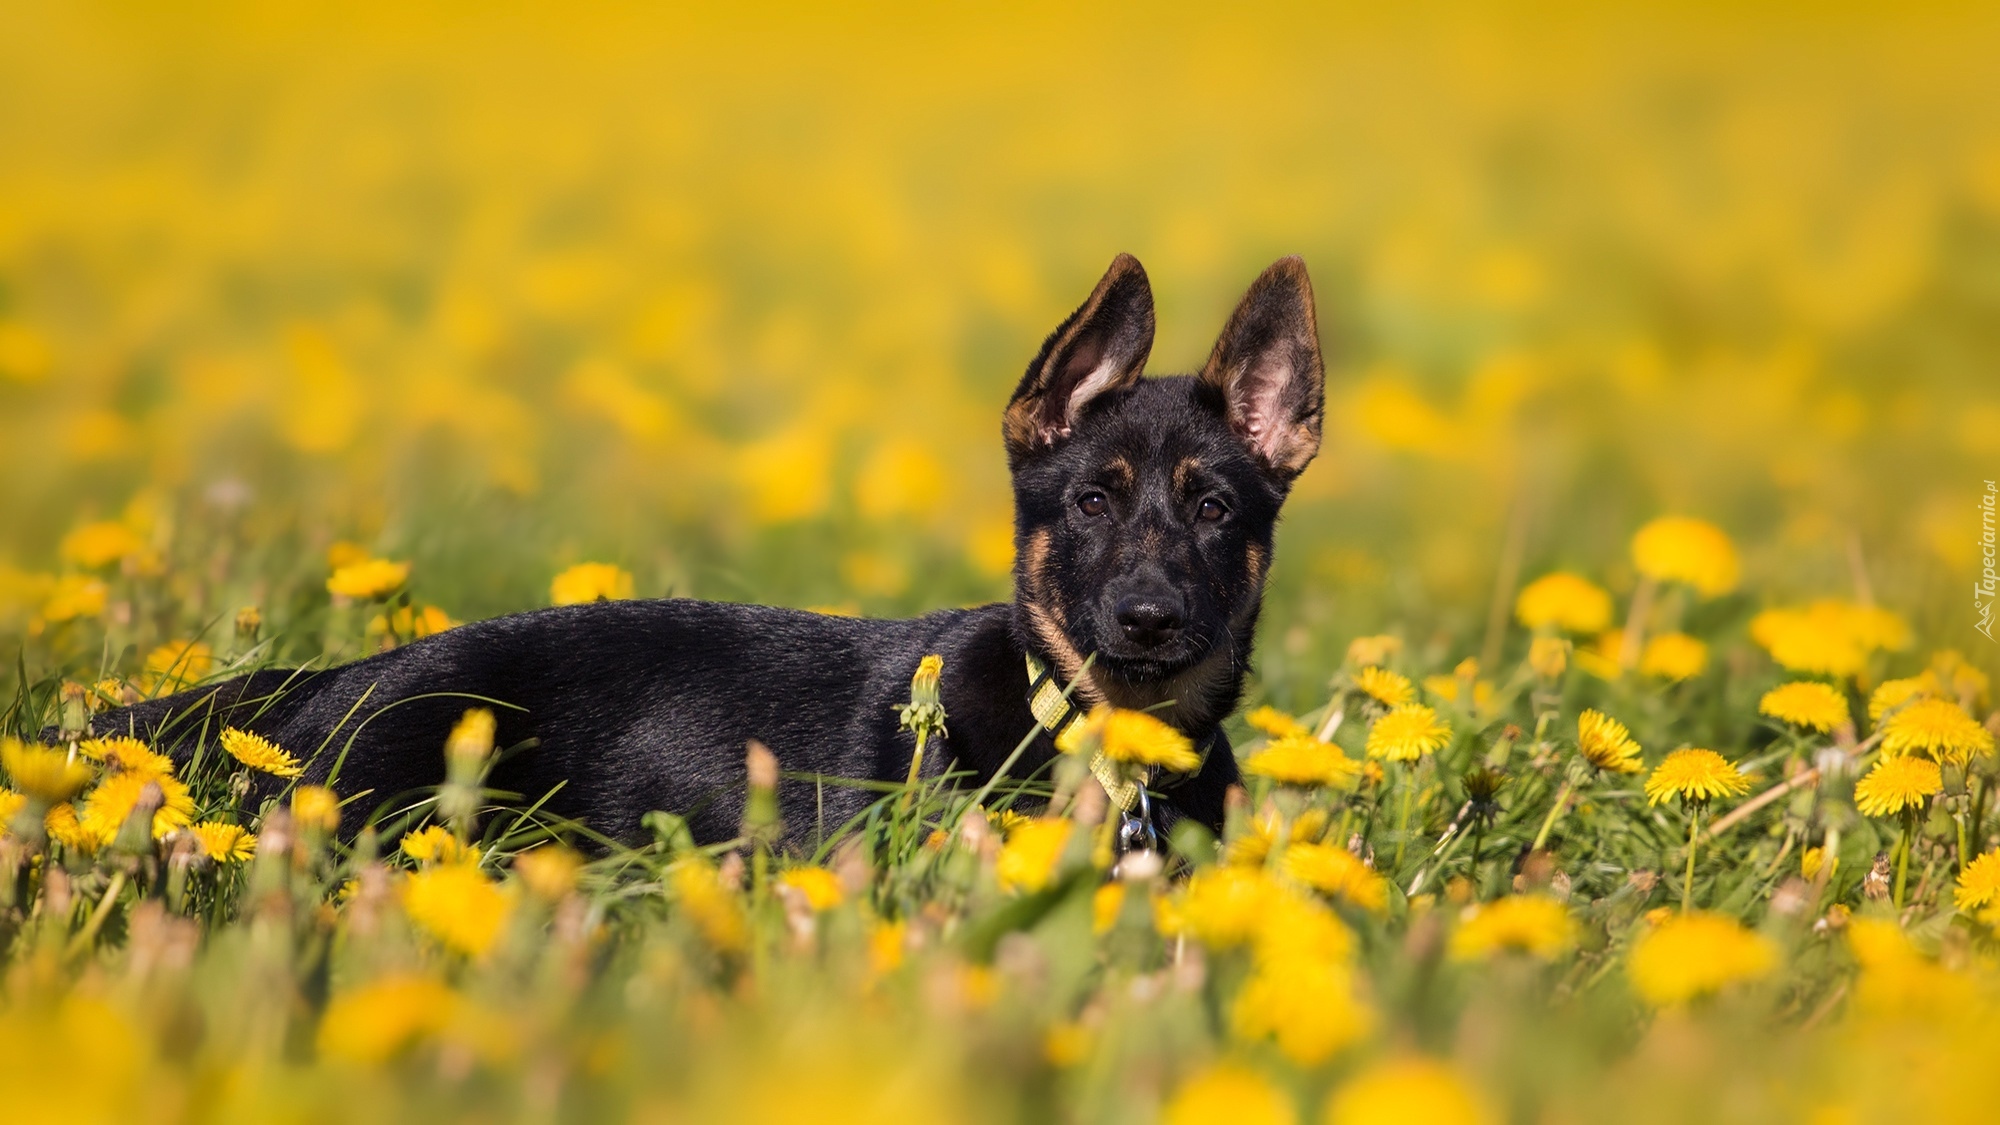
(1151,619)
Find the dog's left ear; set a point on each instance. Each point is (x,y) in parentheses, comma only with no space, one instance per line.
(1101,347)
(1267,366)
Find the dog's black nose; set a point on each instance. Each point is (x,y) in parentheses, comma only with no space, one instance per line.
(1149,620)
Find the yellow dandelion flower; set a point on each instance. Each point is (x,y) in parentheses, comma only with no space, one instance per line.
(1256,843)
(820,887)
(1231,1092)
(368,579)
(1336,871)
(591,582)
(435,844)
(1533,924)
(10,803)
(315,808)
(1549,657)
(1694,954)
(1812,860)
(887,942)
(1303,760)
(127,755)
(74,596)
(1563,601)
(1378,649)
(224,843)
(260,753)
(1307,1006)
(346,553)
(114,799)
(549,872)
(1979,883)
(369,1025)
(1605,743)
(471,738)
(1448,689)
(1295,927)
(100,544)
(44,774)
(1673,656)
(1678,549)
(177,663)
(715,908)
(1028,858)
(1391,689)
(1828,637)
(1956,676)
(1222,907)
(1407,733)
(64,828)
(457,906)
(1938,727)
(1106,903)
(1696,776)
(1805,703)
(414,622)
(1275,724)
(1130,736)
(1896,784)
(1068,1044)
(1891,694)
(1406,1092)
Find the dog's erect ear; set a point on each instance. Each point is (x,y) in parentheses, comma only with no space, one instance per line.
(1102,346)
(1268,368)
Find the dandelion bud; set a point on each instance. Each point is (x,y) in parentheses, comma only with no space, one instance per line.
(249,621)
(75,715)
(471,740)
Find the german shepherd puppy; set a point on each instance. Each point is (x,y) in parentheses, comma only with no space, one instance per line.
(1144,511)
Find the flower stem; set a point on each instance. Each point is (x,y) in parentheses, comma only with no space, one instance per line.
(1403,818)
(1903,860)
(1694,838)
(1555,813)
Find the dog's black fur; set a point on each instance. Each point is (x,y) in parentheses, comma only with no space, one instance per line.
(1144,511)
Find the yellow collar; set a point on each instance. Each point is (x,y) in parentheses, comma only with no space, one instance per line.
(1055,712)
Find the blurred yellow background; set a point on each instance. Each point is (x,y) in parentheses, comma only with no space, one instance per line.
(734,298)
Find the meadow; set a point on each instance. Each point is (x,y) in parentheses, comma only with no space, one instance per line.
(1621,743)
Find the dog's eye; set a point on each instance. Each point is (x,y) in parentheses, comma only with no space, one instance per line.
(1211,510)
(1093,504)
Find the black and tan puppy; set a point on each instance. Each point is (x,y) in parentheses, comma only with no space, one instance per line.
(1144,511)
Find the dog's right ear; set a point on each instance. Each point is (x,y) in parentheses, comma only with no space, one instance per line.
(1102,346)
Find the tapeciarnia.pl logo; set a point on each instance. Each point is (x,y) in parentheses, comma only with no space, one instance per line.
(1984,591)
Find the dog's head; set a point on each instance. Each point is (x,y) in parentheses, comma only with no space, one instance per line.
(1144,507)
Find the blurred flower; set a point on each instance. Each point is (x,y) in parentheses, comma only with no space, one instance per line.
(1691,955)
(1567,602)
(345,553)
(1130,736)
(1805,703)
(370,1024)
(1068,1044)
(1937,727)
(1388,688)
(100,544)
(368,580)
(434,844)
(113,801)
(1678,549)
(315,808)
(1105,904)
(64,828)
(1302,760)
(886,943)
(1028,858)
(46,775)
(590,582)
(1533,924)
(75,596)
(224,843)
(1407,733)
(1979,883)
(1605,743)
(1673,656)
(1549,657)
(1891,694)
(10,803)
(1828,637)
(260,753)
(715,909)
(1408,1091)
(1223,907)
(1336,871)
(1307,1006)
(471,738)
(412,621)
(458,906)
(1696,776)
(549,871)
(1895,784)
(1230,1092)
(1275,723)
(177,663)
(1812,860)
(820,887)
(1377,649)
